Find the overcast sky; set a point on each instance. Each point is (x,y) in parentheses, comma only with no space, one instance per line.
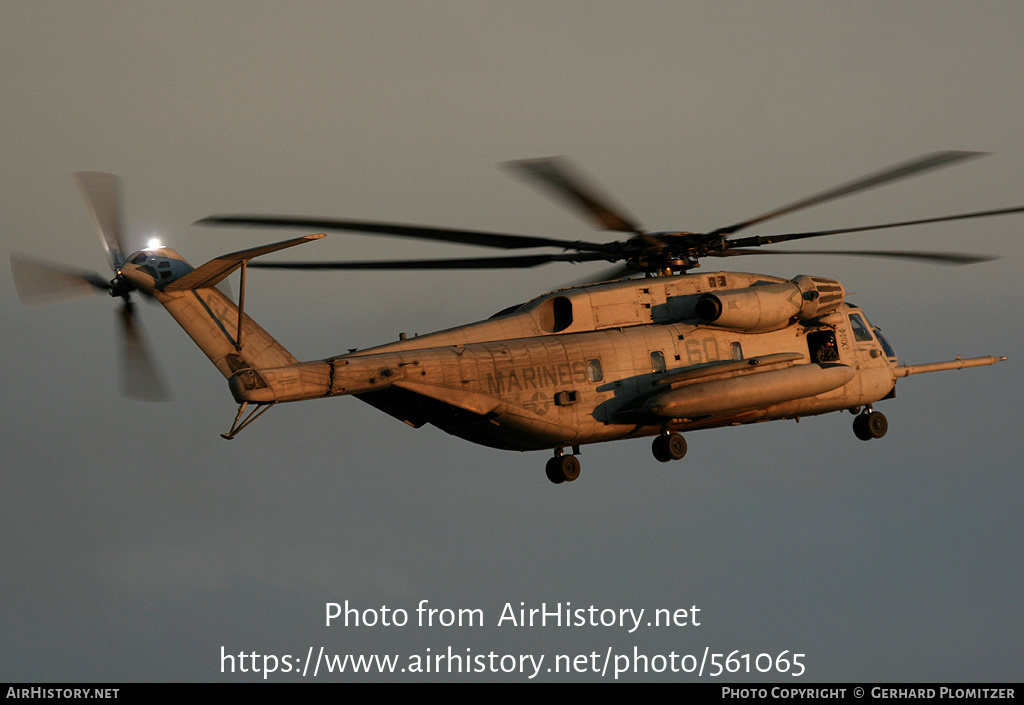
(136,543)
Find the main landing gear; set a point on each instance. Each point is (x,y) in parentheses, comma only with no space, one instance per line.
(669,446)
(563,468)
(870,424)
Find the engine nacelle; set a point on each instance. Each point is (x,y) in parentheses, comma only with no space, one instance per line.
(771,306)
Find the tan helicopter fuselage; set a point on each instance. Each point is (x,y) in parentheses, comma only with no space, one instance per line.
(614,360)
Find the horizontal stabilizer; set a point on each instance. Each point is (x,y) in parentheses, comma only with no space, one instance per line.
(209,274)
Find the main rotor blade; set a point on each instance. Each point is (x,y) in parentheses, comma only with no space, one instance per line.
(465,237)
(557,176)
(99,193)
(950,258)
(140,379)
(900,171)
(520,262)
(755,241)
(41,283)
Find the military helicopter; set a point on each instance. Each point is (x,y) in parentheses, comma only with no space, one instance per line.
(612,359)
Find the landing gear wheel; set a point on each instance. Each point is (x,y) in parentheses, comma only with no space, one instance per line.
(570,467)
(860,427)
(669,447)
(870,425)
(877,424)
(554,471)
(562,468)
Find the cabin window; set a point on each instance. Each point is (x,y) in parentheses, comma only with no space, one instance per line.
(658,362)
(594,373)
(860,330)
(555,314)
(822,345)
(736,351)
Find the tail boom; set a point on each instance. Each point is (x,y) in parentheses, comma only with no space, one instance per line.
(221,329)
(211,319)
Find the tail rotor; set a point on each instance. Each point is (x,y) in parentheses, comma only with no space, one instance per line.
(40,283)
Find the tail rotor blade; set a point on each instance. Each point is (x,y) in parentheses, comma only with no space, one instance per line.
(41,283)
(99,194)
(140,379)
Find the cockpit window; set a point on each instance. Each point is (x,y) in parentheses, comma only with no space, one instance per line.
(889,352)
(860,329)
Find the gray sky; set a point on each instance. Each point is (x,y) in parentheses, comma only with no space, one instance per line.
(136,542)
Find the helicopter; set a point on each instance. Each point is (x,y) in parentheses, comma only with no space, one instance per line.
(614,358)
